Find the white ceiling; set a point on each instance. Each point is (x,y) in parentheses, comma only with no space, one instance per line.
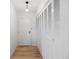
(20,5)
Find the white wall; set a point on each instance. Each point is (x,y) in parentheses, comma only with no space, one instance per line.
(62,29)
(26,24)
(13,29)
(55,45)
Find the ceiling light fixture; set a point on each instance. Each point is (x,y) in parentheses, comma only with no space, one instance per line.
(26,6)
(26,10)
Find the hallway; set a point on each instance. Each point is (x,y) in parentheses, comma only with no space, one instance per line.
(39,29)
(26,52)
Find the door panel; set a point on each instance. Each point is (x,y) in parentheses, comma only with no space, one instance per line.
(24,33)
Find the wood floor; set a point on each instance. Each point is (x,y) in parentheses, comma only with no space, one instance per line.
(26,52)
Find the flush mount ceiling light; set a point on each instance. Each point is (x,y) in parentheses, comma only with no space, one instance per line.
(27,6)
(27,10)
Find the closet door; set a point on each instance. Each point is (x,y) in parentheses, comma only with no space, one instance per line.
(50,32)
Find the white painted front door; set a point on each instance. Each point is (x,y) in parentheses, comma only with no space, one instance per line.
(24,32)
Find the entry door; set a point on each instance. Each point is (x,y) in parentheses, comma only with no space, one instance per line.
(24,32)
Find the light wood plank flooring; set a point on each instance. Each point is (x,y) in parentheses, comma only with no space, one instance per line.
(26,52)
